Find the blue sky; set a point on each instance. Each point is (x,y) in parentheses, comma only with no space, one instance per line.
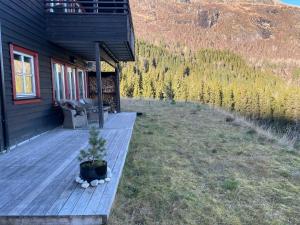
(292,2)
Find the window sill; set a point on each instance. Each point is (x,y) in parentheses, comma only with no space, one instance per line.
(27,101)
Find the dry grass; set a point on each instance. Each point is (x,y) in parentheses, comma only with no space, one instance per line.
(187,165)
(288,139)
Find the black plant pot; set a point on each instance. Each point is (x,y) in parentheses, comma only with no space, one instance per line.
(90,172)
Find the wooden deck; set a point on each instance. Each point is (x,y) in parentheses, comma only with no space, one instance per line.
(37,178)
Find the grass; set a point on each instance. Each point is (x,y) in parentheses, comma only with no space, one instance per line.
(188,165)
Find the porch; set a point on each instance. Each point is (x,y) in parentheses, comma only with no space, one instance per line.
(37,178)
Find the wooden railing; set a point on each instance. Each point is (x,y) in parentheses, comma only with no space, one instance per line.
(88,6)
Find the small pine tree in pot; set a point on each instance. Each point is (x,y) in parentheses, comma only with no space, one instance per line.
(93,166)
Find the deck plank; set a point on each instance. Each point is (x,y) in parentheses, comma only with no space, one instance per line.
(93,203)
(88,193)
(38,176)
(31,176)
(29,198)
(67,193)
(30,155)
(78,195)
(45,200)
(111,190)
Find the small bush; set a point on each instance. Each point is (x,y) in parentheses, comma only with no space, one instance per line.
(251,132)
(230,184)
(229,119)
(214,151)
(284,173)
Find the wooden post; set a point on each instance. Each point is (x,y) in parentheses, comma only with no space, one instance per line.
(99,85)
(118,96)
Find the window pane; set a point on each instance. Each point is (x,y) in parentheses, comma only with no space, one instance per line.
(55,87)
(24,74)
(81,84)
(19,85)
(74,84)
(69,85)
(28,85)
(58,67)
(58,79)
(18,63)
(27,65)
(61,85)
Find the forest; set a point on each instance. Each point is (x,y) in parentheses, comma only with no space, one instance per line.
(216,77)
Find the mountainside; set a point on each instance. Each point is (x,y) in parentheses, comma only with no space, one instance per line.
(230,55)
(259,30)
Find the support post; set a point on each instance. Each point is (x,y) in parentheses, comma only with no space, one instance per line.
(99,85)
(118,96)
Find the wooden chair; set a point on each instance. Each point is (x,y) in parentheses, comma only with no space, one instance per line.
(74,118)
(91,106)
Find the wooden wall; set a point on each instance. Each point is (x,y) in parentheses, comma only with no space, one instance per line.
(23,24)
(1,76)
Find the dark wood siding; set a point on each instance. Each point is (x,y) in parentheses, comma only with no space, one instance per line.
(24,24)
(1,127)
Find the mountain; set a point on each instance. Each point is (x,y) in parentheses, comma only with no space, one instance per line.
(263,31)
(231,54)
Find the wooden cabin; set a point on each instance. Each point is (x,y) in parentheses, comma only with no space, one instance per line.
(45,47)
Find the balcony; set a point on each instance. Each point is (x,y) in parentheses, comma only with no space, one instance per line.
(77,25)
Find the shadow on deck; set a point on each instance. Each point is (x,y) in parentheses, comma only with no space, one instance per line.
(37,178)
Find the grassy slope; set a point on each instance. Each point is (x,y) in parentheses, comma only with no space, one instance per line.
(188,166)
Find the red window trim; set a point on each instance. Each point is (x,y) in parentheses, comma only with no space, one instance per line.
(28,100)
(66,64)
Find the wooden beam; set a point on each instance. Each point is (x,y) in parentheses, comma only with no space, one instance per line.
(118,96)
(99,85)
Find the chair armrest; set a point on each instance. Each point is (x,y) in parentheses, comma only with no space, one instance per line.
(69,112)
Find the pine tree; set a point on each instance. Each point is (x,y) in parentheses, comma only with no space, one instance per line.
(210,76)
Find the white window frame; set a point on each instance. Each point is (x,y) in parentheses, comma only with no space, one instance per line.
(83,80)
(33,75)
(56,79)
(71,78)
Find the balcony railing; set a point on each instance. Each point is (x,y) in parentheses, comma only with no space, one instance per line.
(87,6)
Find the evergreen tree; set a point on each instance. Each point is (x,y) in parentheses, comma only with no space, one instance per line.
(210,76)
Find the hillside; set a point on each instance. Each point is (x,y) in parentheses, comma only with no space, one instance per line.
(260,31)
(214,77)
(187,165)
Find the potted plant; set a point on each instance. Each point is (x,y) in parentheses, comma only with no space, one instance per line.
(93,166)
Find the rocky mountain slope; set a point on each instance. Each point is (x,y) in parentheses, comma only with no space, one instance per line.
(260,30)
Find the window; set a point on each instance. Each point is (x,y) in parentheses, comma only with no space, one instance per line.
(59,89)
(25,75)
(68,82)
(71,83)
(57,6)
(82,84)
